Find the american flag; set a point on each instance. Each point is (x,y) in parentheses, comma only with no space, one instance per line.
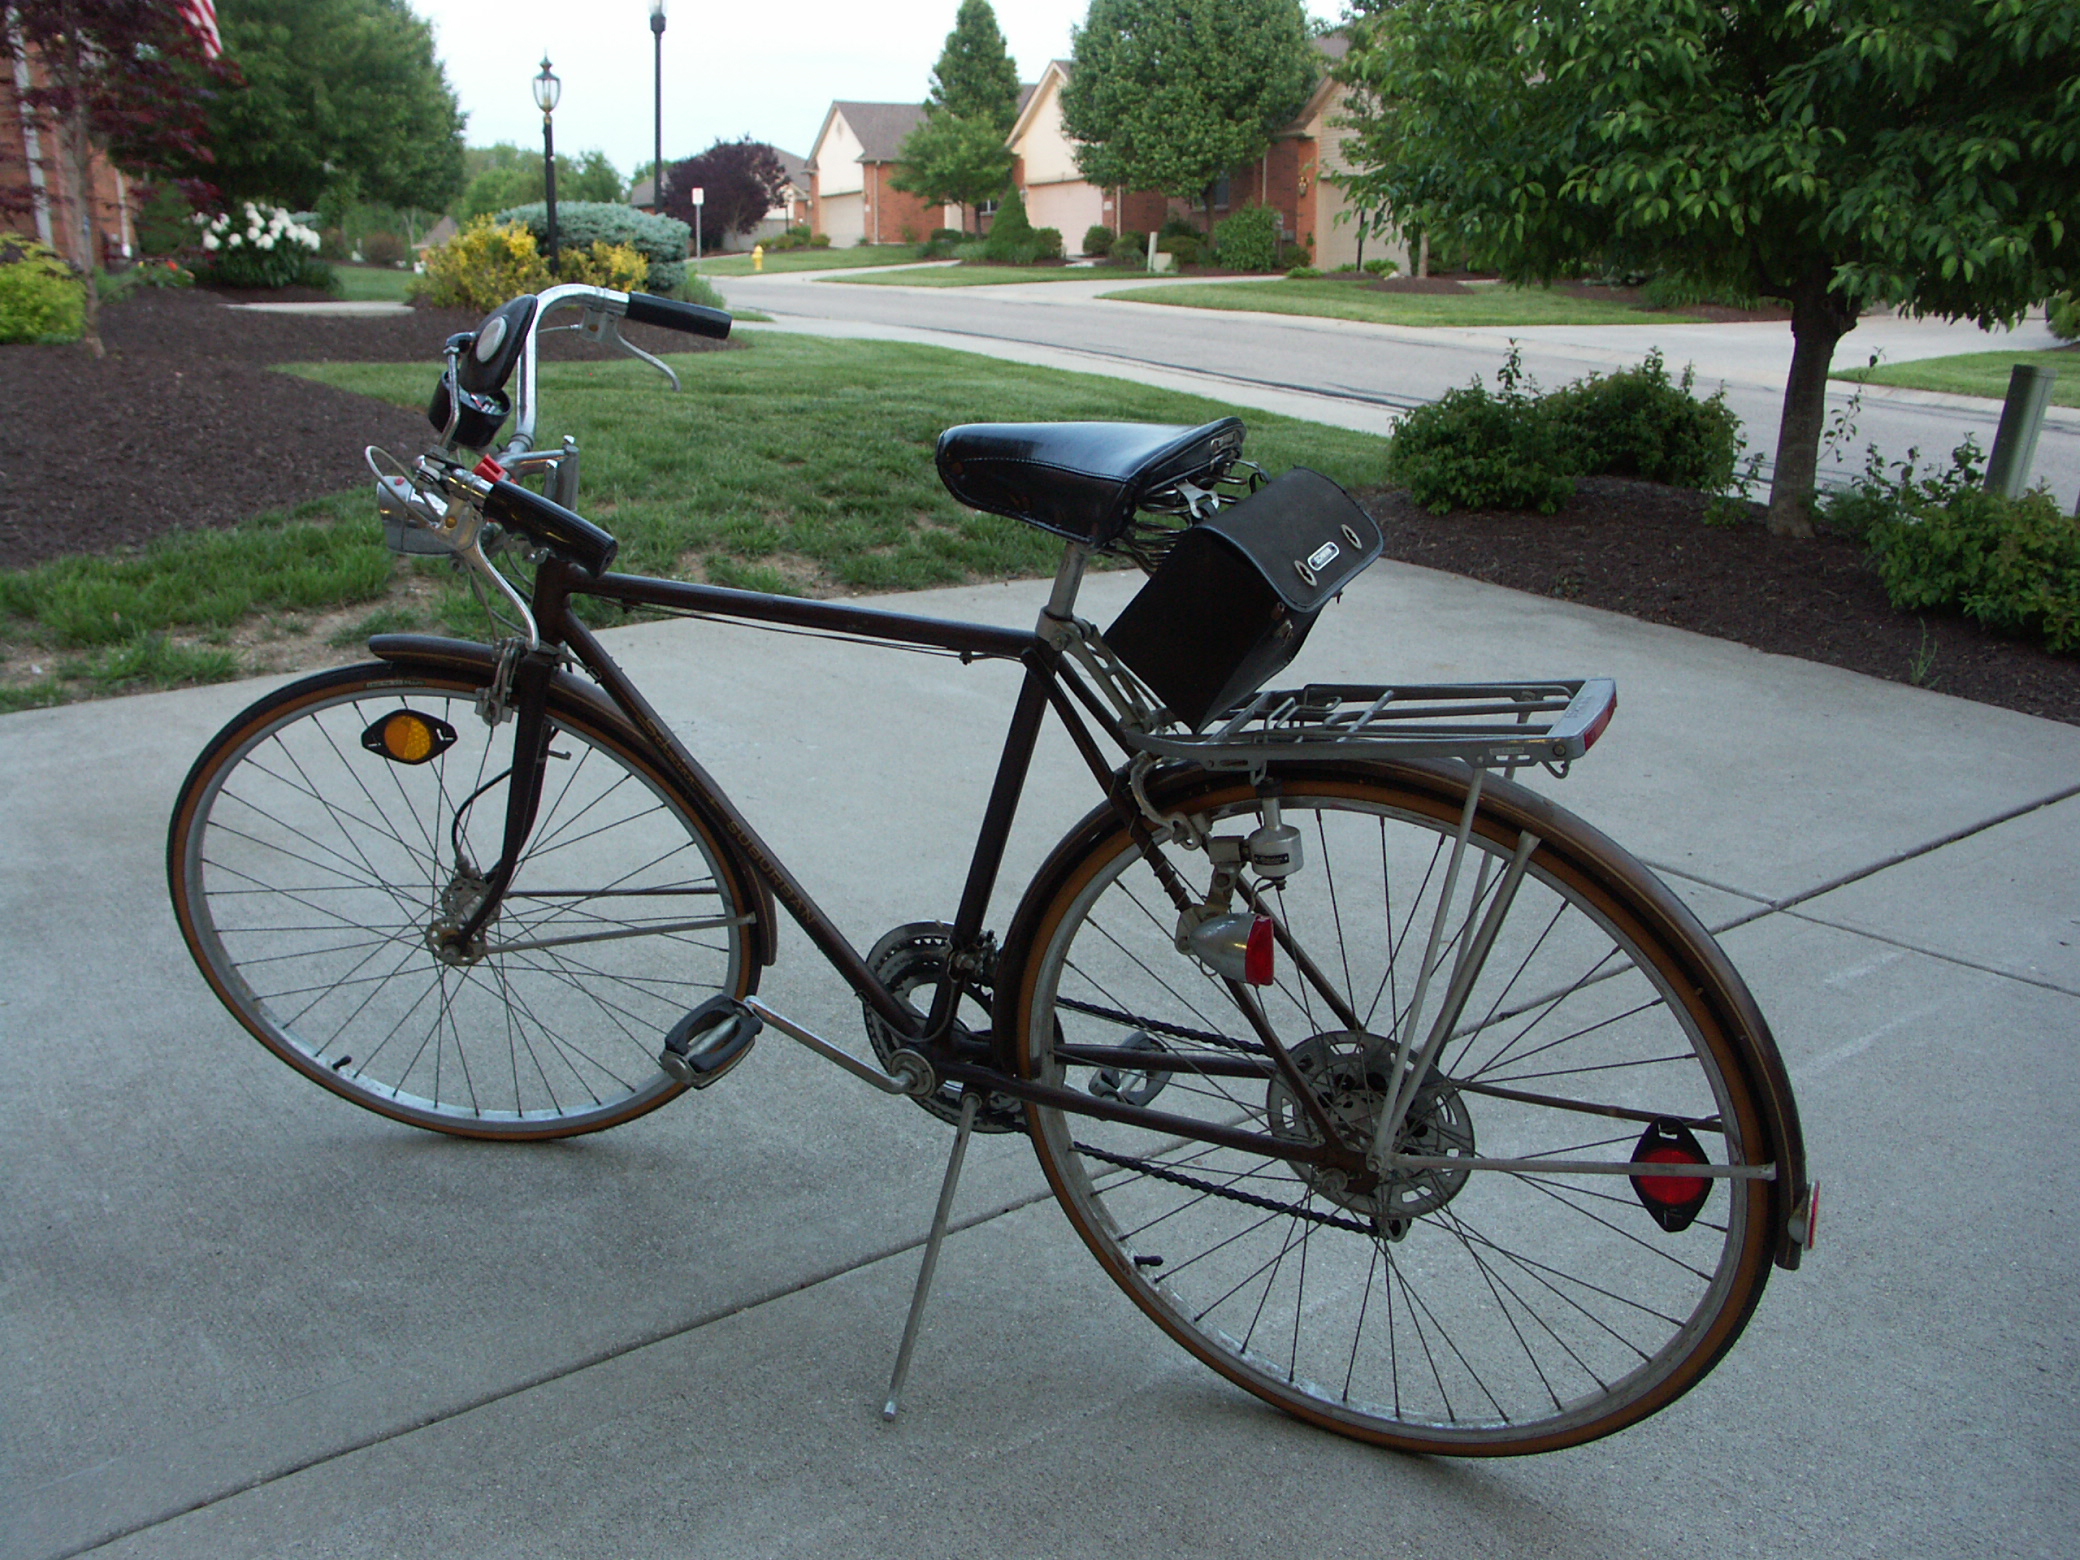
(202,16)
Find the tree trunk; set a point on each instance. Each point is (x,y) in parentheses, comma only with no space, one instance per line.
(1423,253)
(80,144)
(1818,321)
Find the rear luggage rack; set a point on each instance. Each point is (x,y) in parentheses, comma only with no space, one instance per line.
(1488,724)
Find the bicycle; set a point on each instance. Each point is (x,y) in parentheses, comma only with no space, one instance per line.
(1396,1094)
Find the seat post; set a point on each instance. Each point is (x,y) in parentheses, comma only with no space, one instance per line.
(1061,601)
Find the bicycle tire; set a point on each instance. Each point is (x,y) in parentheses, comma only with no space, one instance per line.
(307,872)
(1478,1312)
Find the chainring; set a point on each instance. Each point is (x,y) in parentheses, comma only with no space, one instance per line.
(914,958)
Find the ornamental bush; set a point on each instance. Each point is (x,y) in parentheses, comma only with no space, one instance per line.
(1945,542)
(41,297)
(1473,450)
(489,262)
(1130,248)
(1097,239)
(2062,314)
(1185,246)
(582,223)
(1636,423)
(260,246)
(1248,241)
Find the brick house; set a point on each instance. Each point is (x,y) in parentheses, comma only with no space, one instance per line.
(33,161)
(855,154)
(1288,177)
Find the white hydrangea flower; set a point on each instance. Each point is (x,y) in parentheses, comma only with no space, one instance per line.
(210,241)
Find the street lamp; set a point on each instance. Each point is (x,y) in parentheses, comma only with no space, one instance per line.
(657,145)
(547,89)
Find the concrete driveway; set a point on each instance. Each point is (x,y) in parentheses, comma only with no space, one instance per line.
(243,1318)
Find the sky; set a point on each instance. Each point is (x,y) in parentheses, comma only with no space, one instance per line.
(769,71)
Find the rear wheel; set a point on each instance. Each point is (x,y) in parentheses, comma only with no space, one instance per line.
(318,852)
(1445,1307)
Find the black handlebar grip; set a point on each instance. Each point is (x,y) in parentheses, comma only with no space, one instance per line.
(693,318)
(555,527)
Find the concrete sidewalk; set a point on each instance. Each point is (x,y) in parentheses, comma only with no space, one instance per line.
(244,1319)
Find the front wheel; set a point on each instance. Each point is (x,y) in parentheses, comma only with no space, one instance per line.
(331,834)
(1465,1306)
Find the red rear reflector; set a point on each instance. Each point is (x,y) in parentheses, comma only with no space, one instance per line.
(1256,960)
(490,470)
(1673,1200)
(1597,725)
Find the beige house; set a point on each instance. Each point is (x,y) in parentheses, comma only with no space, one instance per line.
(856,153)
(1055,192)
(1288,177)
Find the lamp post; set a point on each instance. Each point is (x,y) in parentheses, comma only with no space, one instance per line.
(546,91)
(657,144)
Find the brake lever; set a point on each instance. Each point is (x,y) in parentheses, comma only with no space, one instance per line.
(600,326)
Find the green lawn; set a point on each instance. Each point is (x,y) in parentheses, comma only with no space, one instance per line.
(1496,305)
(1975,373)
(371,283)
(797,464)
(970,274)
(812,259)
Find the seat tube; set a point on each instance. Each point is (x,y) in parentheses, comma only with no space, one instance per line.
(1060,610)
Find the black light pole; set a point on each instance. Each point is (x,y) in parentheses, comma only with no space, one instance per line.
(546,91)
(657,145)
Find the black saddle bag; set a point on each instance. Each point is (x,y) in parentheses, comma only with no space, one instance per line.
(1233,601)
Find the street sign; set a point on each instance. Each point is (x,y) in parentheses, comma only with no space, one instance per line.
(699,195)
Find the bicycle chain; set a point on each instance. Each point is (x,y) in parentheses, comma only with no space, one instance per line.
(1249,1199)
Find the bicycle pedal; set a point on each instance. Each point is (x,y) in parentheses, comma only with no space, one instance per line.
(709,1041)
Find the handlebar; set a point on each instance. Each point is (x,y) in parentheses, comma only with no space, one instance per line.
(602,305)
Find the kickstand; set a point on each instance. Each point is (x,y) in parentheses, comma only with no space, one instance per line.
(932,1243)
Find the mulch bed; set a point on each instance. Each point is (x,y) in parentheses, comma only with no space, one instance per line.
(182,424)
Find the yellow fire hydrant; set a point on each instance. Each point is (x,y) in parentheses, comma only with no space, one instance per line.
(758,257)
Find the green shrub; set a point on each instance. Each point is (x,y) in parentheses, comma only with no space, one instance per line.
(1943,542)
(1303,273)
(41,297)
(1010,235)
(2062,314)
(1097,239)
(261,247)
(1290,255)
(1473,450)
(1635,423)
(796,237)
(582,223)
(1249,240)
(1130,248)
(1177,227)
(166,224)
(1382,267)
(820,241)
(1185,246)
(1047,244)
(1681,292)
(381,248)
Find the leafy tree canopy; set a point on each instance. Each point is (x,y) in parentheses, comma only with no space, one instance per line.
(123,77)
(950,161)
(1170,94)
(975,78)
(740,182)
(508,175)
(1836,154)
(344,101)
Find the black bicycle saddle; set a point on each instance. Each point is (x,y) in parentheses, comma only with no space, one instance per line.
(1079,479)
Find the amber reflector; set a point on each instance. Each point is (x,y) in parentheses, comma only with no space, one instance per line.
(408,737)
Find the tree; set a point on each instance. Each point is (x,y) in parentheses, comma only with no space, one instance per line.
(956,156)
(127,78)
(511,176)
(1836,154)
(344,101)
(950,161)
(1170,95)
(975,78)
(740,182)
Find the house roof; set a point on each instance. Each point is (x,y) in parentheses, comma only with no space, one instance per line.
(1028,97)
(881,128)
